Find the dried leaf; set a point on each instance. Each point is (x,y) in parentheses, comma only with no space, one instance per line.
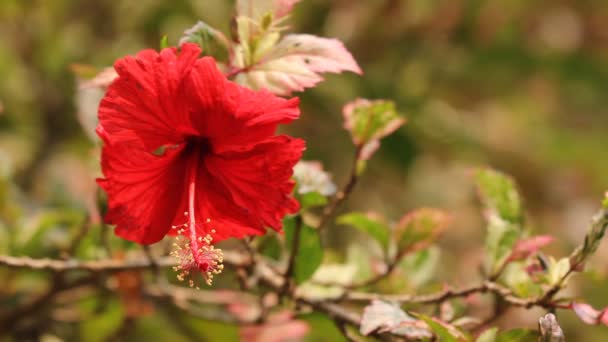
(294,64)
(387,317)
(550,330)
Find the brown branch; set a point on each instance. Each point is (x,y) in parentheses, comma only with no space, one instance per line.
(106,265)
(330,210)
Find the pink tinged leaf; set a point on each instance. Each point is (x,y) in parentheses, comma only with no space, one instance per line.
(92,86)
(589,315)
(386,317)
(525,248)
(243,311)
(419,229)
(283,7)
(369,121)
(101,80)
(297,62)
(604,317)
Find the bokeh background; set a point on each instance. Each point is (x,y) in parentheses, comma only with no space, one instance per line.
(518,85)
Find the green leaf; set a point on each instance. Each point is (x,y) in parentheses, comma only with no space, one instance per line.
(47,233)
(368,223)
(312,199)
(369,121)
(310,251)
(164,42)
(488,335)
(269,246)
(213,42)
(517,335)
(419,229)
(420,267)
(100,327)
(444,332)
(558,270)
(504,215)
(517,278)
(499,194)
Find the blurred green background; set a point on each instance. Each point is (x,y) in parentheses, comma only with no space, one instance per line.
(518,85)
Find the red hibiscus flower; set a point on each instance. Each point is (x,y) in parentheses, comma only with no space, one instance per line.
(188,152)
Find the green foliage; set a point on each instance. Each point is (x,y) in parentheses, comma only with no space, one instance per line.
(558,270)
(443,331)
(312,199)
(420,267)
(368,224)
(323,328)
(269,246)
(370,120)
(504,215)
(102,325)
(517,335)
(517,278)
(164,42)
(310,251)
(489,335)
(212,41)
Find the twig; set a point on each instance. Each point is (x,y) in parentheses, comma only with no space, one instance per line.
(109,265)
(295,247)
(446,294)
(342,195)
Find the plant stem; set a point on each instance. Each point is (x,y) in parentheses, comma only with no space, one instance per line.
(342,195)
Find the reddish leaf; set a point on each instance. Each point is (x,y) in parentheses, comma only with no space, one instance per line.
(525,248)
(590,315)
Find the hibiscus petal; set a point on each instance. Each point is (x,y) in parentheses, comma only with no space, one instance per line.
(231,116)
(259,180)
(144,190)
(142,99)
